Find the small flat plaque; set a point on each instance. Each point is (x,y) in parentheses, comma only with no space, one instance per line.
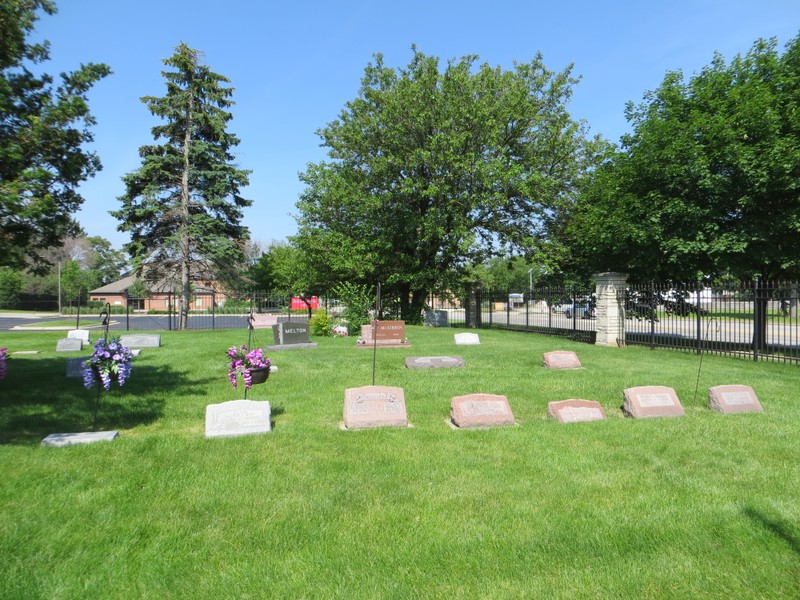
(480,410)
(59,440)
(75,367)
(652,401)
(79,334)
(561,359)
(576,411)
(374,406)
(238,417)
(25,352)
(732,399)
(69,345)
(145,340)
(434,362)
(467,339)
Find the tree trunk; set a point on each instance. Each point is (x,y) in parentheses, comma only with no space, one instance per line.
(185,240)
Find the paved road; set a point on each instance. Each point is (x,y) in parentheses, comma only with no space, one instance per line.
(8,321)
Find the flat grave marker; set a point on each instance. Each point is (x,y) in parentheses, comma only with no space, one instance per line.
(561,359)
(238,417)
(733,399)
(576,411)
(59,440)
(480,410)
(374,406)
(467,339)
(141,340)
(434,362)
(75,367)
(263,321)
(69,345)
(652,401)
(80,334)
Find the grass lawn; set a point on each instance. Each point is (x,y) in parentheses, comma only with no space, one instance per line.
(702,506)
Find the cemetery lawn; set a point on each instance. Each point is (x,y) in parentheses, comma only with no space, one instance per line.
(701,506)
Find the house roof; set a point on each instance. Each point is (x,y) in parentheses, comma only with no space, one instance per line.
(116,287)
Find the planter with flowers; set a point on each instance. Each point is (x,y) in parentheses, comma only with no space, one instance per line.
(251,365)
(110,361)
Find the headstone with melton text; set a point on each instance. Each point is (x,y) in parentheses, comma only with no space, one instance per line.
(374,406)
(561,359)
(467,339)
(652,401)
(575,411)
(238,417)
(291,332)
(731,399)
(69,345)
(141,340)
(480,410)
(434,362)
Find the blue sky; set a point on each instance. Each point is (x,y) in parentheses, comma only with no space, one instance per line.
(294,64)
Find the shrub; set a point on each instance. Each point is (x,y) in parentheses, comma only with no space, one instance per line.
(321,324)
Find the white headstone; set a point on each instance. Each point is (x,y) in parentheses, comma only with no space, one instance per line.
(69,345)
(141,340)
(238,417)
(79,334)
(434,362)
(467,339)
(58,440)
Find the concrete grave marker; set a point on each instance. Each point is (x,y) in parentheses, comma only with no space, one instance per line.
(69,345)
(436,318)
(59,440)
(732,399)
(561,359)
(434,362)
(467,339)
(575,411)
(75,367)
(652,401)
(374,406)
(480,410)
(79,334)
(238,417)
(141,340)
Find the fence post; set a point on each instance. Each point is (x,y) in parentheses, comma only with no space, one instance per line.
(756,320)
(610,313)
(697,290)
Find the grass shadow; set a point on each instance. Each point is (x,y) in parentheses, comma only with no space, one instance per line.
(38,399)
(776,526)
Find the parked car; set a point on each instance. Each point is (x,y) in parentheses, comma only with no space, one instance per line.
(585,307)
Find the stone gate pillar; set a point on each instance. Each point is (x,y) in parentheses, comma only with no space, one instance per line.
(610,308)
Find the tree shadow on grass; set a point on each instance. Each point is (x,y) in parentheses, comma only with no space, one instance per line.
(37,399)
(777,526)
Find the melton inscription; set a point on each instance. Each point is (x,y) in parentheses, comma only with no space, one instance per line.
(291,332)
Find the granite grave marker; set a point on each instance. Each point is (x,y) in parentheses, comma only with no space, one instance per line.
(561,359)
(575,411)
(374,406)
(480,410)
(238,417)
(59,440)
(467,339)
(69,345)
(732,399)
(434,362)
(652,401)
(141,340)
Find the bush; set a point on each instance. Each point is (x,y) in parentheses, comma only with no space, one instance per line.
(357,300)
(321,324)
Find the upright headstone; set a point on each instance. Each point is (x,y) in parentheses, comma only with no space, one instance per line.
(238,417)
(436,318)
(291,332)
(385,334)
(652,401)
(731,399)
(467,339)
(434,362)
(374,406)
(480,410)
(561,359)
(141,340)
(69,345)
(59,440)
(575,411)
(79,334)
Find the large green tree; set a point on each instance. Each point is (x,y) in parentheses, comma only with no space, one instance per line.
(183,206)
(709,179)
(44,132)
(432,169)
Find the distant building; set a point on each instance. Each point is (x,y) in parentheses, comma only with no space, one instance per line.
(161,295)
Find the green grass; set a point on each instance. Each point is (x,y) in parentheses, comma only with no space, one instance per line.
(703,506)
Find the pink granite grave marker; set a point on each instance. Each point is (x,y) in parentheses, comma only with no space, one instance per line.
(480,410)
(652,401)
(575,411)
(374,406)
(561,359)
(732,399)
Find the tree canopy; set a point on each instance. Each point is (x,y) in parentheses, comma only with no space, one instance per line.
(709,179)
(432,169)
(44,131)
(183,206)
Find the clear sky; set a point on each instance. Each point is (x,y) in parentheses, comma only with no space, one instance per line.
(294,64)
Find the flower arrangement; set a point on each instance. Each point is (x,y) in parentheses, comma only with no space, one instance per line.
(110,360)
(3,354)
(242,361)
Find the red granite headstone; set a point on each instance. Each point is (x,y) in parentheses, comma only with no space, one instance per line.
(731,399)
(652,401)
(561,359)
(575,411)
(374,406)
(480,410)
